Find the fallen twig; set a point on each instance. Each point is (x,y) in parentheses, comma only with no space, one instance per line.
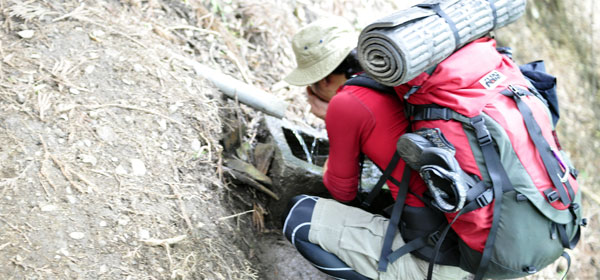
(247,180)
(186,218)
(163,242)
(177,27)
(64,171)
(235,215)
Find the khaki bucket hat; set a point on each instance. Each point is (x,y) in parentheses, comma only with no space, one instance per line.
(319,48)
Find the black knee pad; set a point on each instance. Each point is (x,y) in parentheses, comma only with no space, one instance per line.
(298,216)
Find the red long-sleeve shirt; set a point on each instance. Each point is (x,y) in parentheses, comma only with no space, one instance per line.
(363,120)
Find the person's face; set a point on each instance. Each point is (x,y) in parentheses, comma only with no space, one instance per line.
(327,87)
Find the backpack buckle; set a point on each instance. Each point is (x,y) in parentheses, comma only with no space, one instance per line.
(516,91)
(551,195)
(584,222)
(485,198)
(530,269)
(481,131)
(575,206)
(433,238)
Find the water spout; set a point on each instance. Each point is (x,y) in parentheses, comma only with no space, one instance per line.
(303,145)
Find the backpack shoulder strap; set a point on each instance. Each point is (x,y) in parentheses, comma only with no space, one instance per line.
(364,80)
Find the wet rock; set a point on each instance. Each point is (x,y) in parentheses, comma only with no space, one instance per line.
(291,174)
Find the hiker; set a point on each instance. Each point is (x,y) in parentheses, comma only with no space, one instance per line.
(338,238)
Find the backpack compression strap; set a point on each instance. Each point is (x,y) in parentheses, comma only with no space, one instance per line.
(386,249)
(500,181)
(548,155)
(363,80)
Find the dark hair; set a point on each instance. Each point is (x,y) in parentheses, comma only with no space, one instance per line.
(350,66)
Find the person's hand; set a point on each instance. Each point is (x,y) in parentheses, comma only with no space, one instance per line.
(318,106)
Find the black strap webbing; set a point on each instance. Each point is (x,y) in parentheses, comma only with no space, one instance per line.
(384,177)
(500,184)
(564,238)
(436,8)
(412,245)
(394,220)
(566,256)
(494,13)
(364,80)
(544,149)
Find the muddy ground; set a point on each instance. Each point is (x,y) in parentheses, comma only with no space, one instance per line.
(111,159)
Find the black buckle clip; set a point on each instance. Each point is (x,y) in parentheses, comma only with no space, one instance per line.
(575,206)
(551,195)
(521,197)
(530,269)
(433,238)
(516,91)
(481,131)
(485,198)
(584,222)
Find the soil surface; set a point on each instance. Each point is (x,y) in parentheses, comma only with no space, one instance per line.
(112,154)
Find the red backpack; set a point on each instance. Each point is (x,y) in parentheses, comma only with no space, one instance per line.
(524,208)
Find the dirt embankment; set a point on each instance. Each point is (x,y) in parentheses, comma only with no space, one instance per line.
(110,161)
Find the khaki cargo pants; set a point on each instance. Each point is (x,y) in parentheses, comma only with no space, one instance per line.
(356,237)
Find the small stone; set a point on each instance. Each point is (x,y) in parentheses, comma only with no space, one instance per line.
(103,269)
(195,145)
(48,208)
(89,69)
(93,114)
(162,123)
(103,223)
(26,34)
(21,98)
(128,82)
(77,235)
(138,168)
(106,133)
(71,199)
(138,68)
(74,91)
(120,170)
(88,159)
(144,234)
(87,142)
(63,251)
(164,146)
(123,221)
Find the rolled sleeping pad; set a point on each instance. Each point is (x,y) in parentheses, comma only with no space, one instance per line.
(397,48)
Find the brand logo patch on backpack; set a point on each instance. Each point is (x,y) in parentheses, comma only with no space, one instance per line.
(492,79)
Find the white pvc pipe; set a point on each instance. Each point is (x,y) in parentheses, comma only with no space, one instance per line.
(245,93)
